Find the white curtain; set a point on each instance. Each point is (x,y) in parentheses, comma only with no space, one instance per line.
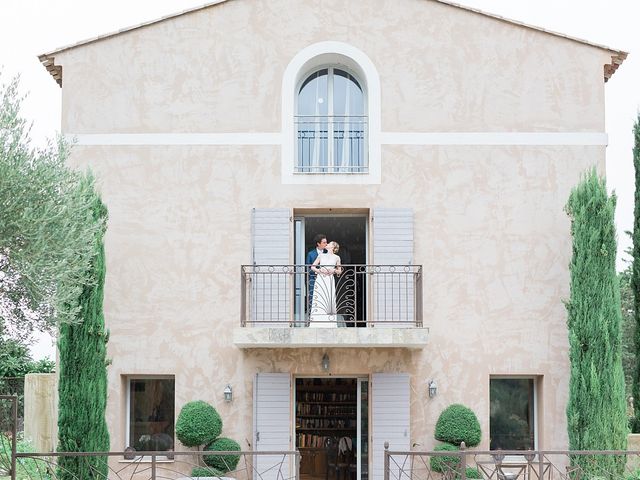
(346,127)
(315,160)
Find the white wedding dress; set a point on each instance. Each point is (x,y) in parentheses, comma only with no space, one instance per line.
(323,303)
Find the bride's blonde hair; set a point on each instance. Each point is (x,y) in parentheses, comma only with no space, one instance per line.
(336,246)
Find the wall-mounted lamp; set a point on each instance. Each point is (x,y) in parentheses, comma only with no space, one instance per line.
(325,363)
(228,393)
(433,388)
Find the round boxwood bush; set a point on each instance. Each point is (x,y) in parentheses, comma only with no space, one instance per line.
(198,423)
(474,473)
(458,424)
(444,463)
(205,472)
(224,463)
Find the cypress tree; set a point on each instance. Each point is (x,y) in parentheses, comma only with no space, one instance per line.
(596,415)
(635,277)
(82,386)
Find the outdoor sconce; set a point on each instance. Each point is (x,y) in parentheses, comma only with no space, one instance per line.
(433,388)
(228,393)
(325,363)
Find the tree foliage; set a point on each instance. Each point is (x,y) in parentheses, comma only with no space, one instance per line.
(46,227)
(222,463)
(457,424)
(16,360)
(635,275)
(596,409)
(627,310)
(82,384)
(198,424)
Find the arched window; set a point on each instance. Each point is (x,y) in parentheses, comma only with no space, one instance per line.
(331,123)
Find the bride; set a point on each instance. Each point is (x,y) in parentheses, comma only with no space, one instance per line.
(323,303)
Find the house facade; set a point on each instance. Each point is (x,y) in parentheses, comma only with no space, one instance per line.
(436,144)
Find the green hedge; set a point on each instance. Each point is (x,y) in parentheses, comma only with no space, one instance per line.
(224,463)
(458,424)
(205,472)
(198,423)
(444,463)
(474,473)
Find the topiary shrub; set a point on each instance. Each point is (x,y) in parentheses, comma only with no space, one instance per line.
(444,463)
(205,472)
(458,424)
(474,473)
(198,423)
(224,463)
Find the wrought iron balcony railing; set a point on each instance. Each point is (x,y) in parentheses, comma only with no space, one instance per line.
(349,296)
(331,144)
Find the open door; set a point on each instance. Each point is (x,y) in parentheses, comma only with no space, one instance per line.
(390,409)
(272,425)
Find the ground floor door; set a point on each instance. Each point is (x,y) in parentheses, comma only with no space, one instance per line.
(331,427)
(338,424)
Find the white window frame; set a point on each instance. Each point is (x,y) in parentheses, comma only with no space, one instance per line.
(330,67)
(127,424)
(536,379)
(351,59)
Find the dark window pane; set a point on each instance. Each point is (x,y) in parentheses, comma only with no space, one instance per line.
(511,421)
(151,420)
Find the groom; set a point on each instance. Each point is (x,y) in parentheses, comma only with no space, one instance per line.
(321,242)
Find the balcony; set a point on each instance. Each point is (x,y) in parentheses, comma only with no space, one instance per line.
(331,144)
(287,306)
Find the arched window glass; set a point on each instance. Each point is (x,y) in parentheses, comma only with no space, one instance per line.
(331,123)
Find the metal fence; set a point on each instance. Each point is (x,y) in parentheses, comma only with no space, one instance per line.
(512,465)
(244,465)
(349,296)
(18,461)
(11,386)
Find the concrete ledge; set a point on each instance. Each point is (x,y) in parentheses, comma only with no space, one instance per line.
(287,337)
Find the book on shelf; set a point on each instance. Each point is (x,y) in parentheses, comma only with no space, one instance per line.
(309,440)
(324,410)
(332,422)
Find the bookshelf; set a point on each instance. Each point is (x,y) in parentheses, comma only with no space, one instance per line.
(325,407)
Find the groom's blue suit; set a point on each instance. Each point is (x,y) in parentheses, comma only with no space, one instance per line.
(311,257)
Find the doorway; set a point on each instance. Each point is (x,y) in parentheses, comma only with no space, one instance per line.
(332,427)
(351,233)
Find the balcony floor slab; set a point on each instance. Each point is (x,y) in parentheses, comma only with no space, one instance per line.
(287,337)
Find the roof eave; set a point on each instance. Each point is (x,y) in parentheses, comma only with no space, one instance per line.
(49,62)
(617,58)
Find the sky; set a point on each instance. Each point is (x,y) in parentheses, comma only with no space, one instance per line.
(29,28)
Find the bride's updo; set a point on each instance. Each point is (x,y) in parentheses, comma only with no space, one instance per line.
(336,246)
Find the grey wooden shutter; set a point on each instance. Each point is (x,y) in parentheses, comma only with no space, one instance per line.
(393,287)
(271,282)
(272,425)
(390,413)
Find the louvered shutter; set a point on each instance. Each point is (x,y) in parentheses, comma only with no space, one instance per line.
(271,292)
(393,287)
(390,410)
(272,425)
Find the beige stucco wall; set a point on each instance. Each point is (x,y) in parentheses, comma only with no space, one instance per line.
(441,69)
(490,230)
